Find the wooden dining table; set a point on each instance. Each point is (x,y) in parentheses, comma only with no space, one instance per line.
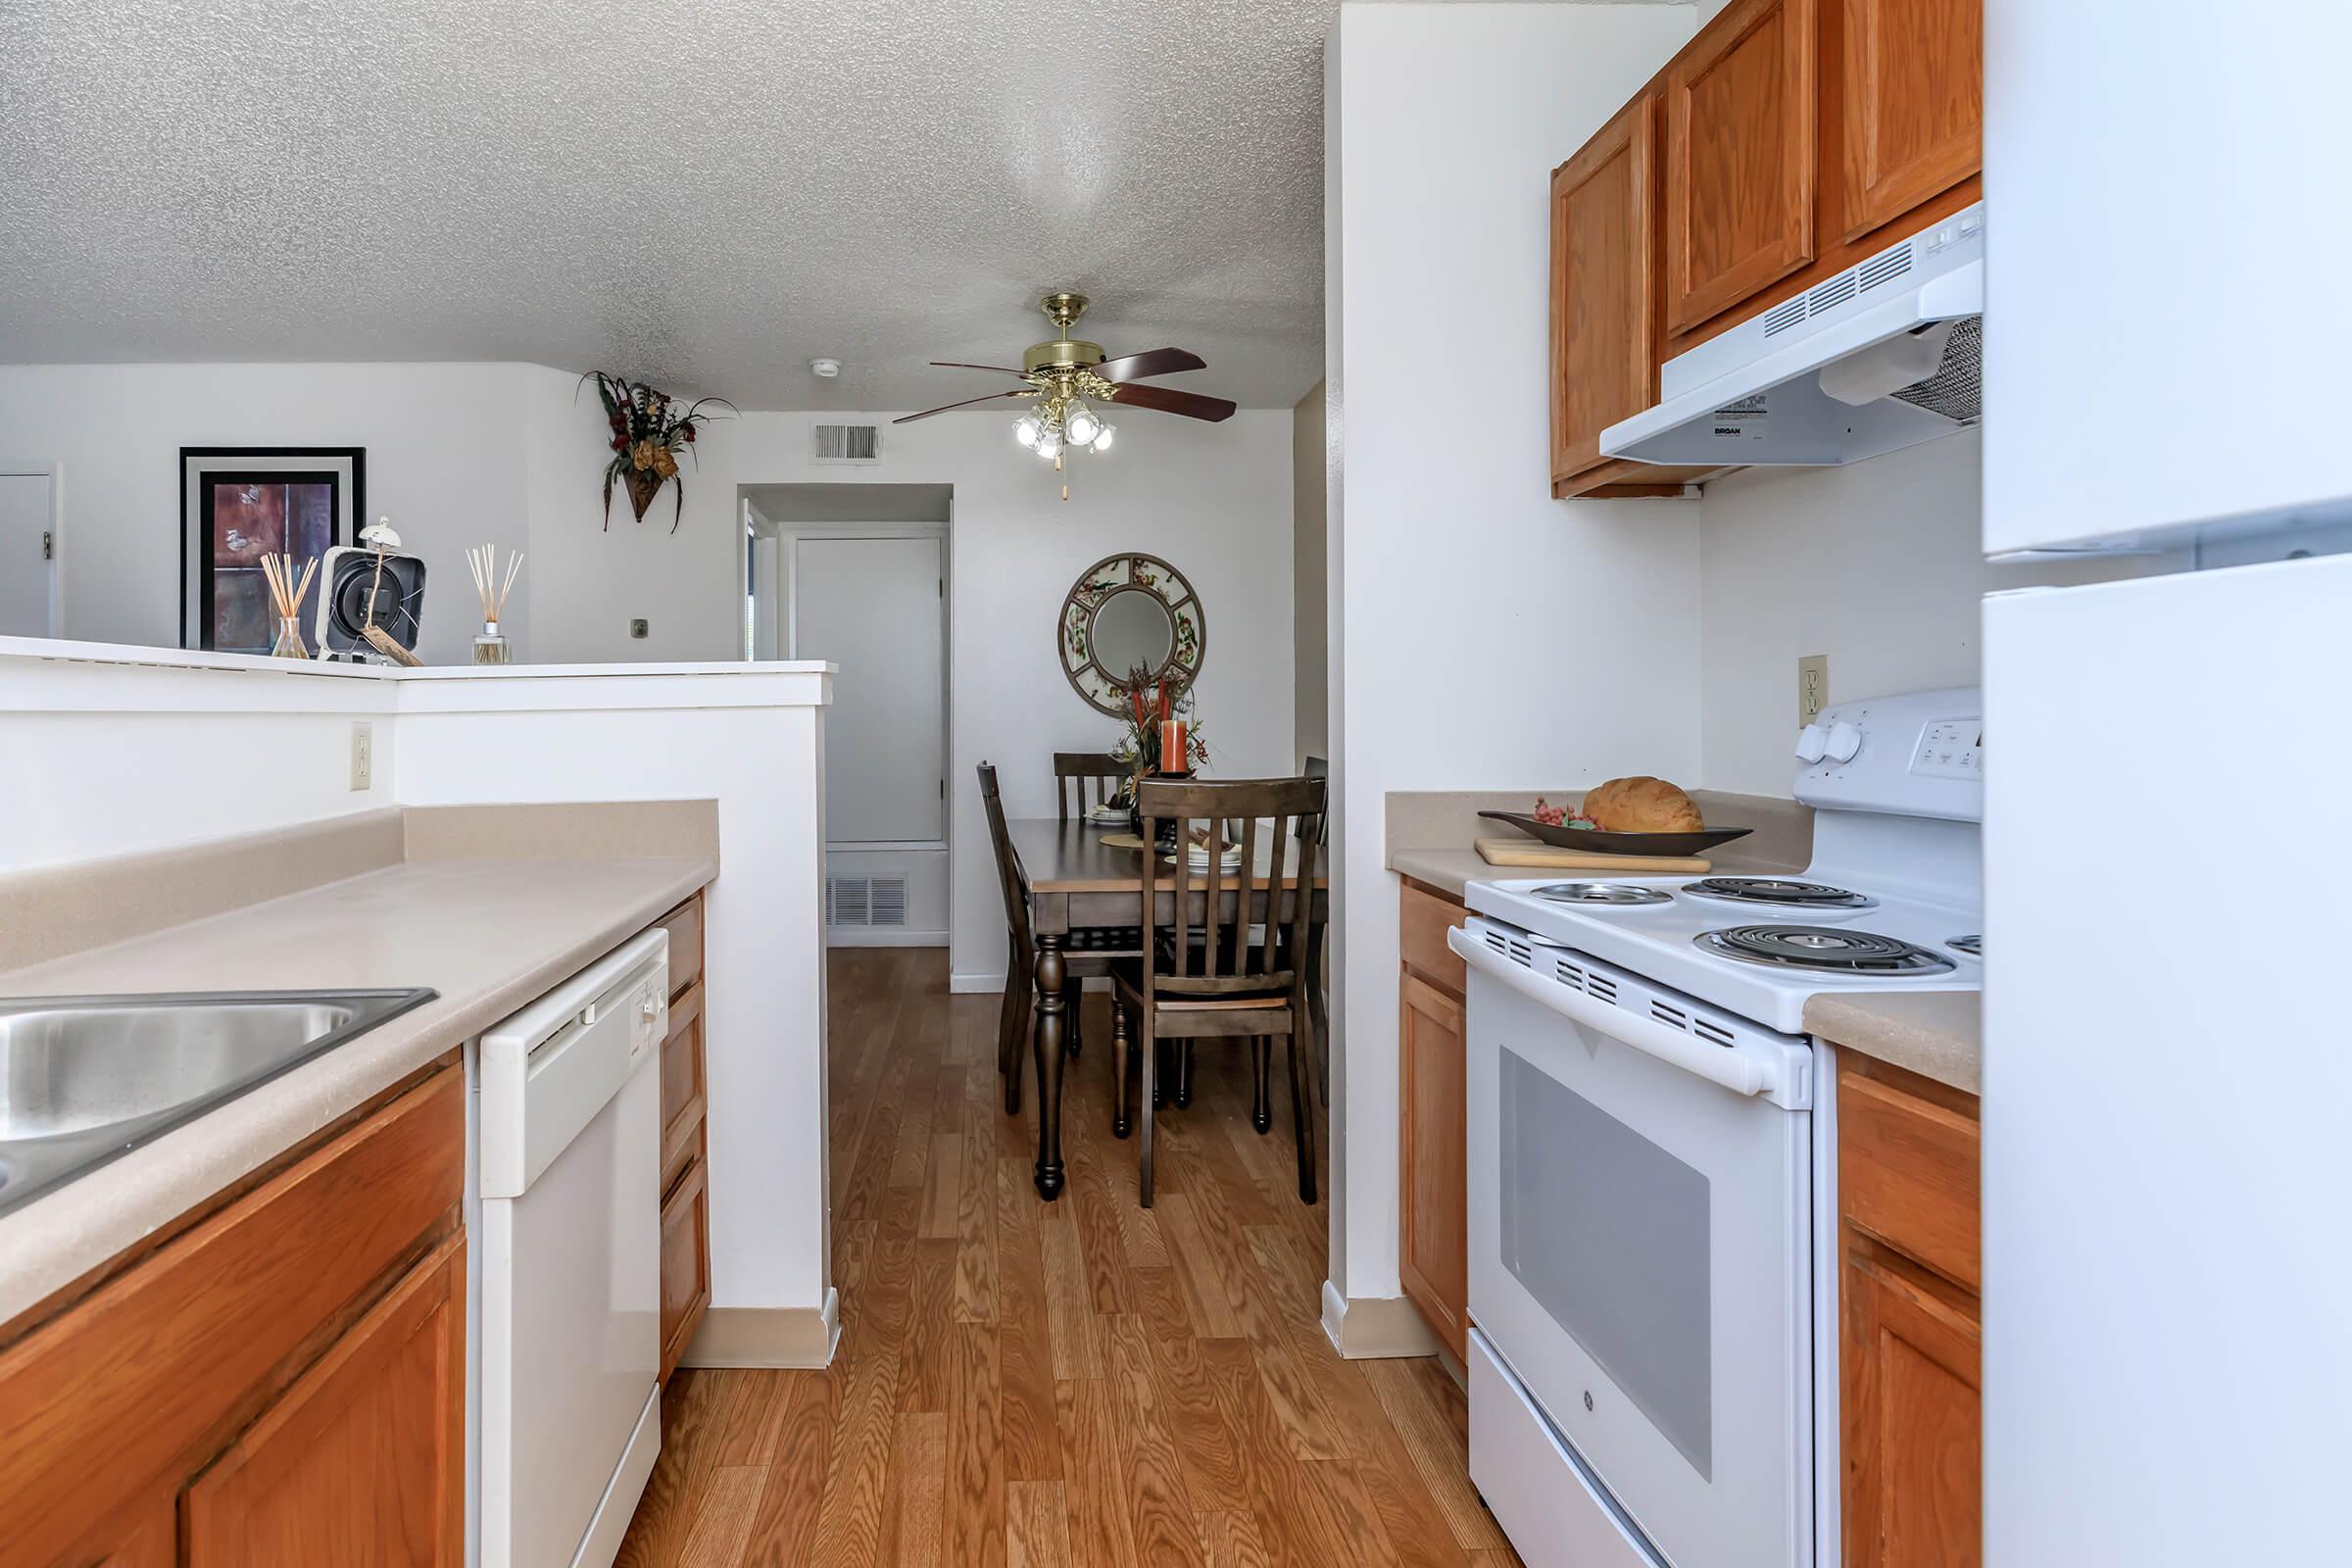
(1077,882)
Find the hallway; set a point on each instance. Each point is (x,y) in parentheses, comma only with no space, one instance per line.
(1076,1384)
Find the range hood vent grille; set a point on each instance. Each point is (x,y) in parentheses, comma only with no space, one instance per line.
(1957,389)
(1884,268)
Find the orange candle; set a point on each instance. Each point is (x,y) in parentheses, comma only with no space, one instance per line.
(1172,758)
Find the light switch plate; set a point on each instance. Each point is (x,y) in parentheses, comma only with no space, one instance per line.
(363,754)
(1812,687)
(638,627)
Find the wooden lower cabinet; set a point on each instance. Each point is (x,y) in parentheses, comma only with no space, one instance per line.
(685,1167)
(1434,1213)
(1911,1322)
(362,1460)
(685,1262)
(283,1381)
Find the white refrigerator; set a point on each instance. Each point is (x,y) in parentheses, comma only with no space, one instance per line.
(2168,999)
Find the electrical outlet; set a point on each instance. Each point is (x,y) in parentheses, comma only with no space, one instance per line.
(638,627)
(1812,687)
(362,753)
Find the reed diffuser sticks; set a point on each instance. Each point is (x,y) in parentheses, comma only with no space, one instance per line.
(487,581)
(287,594)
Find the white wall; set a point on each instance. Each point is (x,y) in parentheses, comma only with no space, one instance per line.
(443,447)
(1213,499)
(1878,565)
(1310,616)
(1481,630)
(94,763)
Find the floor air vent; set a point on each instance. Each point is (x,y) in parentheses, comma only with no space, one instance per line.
(866,900)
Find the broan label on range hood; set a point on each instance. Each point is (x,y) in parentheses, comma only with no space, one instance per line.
(1882,356)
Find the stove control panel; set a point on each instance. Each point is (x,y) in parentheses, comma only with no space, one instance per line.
(1951,747)
(1910,754)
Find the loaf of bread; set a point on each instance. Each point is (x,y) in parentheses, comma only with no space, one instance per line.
(1642,804)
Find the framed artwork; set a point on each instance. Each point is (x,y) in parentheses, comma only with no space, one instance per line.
(240,503)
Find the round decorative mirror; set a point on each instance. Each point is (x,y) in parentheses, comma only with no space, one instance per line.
(1125,612)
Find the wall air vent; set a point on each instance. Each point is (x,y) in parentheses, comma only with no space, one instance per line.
(866,900)
(844,443)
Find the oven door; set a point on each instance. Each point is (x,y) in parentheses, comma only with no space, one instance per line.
(1640,1253)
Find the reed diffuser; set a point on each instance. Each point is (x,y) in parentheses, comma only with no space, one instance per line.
(286,595)
(490,648)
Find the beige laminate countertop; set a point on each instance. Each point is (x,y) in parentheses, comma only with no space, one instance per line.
(1937,1034)
(1452,870)
(490,935)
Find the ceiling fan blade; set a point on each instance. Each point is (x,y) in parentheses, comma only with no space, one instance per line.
(958,364)
(1192,405)
(1018,392)
(1152,362)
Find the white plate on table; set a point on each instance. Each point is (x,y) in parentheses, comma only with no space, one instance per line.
(1198,860)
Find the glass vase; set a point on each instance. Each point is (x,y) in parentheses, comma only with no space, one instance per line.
(288,642)
(492,649)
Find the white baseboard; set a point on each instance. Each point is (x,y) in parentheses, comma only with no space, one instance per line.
(1373,1327)
(767,1336)
(964,983)
(860,936)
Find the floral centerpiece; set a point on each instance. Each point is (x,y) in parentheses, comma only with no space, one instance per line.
(1149,704)
(648,431)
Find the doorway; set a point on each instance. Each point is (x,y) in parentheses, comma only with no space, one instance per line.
(31,592)
(830,573)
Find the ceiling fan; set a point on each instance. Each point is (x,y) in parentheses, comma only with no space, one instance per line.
(1067,376)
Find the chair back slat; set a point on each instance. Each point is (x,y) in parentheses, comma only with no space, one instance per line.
(1010,877)
(1233,810)
(1083,780)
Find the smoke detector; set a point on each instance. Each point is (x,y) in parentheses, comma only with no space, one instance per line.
(826,368)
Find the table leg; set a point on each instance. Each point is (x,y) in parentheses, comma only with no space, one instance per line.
(1051,974)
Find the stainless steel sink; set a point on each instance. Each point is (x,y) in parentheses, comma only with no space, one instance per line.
(84,1078)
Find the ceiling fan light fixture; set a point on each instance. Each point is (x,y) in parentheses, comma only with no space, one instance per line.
(1103,435)
(1027,429)
(1083,425)
(1049,445)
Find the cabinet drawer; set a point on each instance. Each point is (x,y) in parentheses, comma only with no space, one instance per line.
(683,1086)
(119,1390)
(685,927)
(1907,1175)
(685,1263)
(1422,923)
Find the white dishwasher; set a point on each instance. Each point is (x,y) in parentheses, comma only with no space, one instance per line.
(565,1213)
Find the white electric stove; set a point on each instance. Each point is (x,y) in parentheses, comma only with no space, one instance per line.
(1652,1171)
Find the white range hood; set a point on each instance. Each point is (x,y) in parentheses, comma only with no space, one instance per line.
(1885,355)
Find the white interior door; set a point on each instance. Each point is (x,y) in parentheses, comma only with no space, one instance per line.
(27,564)
(875,606)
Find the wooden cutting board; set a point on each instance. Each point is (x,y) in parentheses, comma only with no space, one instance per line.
(1528,852)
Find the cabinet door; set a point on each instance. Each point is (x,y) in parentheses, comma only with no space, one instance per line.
(1604,344)
(362,1461)
(1739,156)
(1912,78)
(682,1084)
(1914,1421)
(685,1262)
(1436,1240)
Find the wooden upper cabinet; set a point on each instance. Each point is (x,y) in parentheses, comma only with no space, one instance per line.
(1912,77)
(1604,338)
(1741,114)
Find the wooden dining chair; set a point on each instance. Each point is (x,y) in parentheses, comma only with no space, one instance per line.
(1083,780)
(1205,979)
(1079,962)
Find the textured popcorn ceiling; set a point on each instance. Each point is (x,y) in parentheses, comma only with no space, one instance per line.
(707,192)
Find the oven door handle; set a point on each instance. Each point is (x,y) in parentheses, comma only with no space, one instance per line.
(1742,1072)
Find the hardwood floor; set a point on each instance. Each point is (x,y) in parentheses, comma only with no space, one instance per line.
(1066,1384)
